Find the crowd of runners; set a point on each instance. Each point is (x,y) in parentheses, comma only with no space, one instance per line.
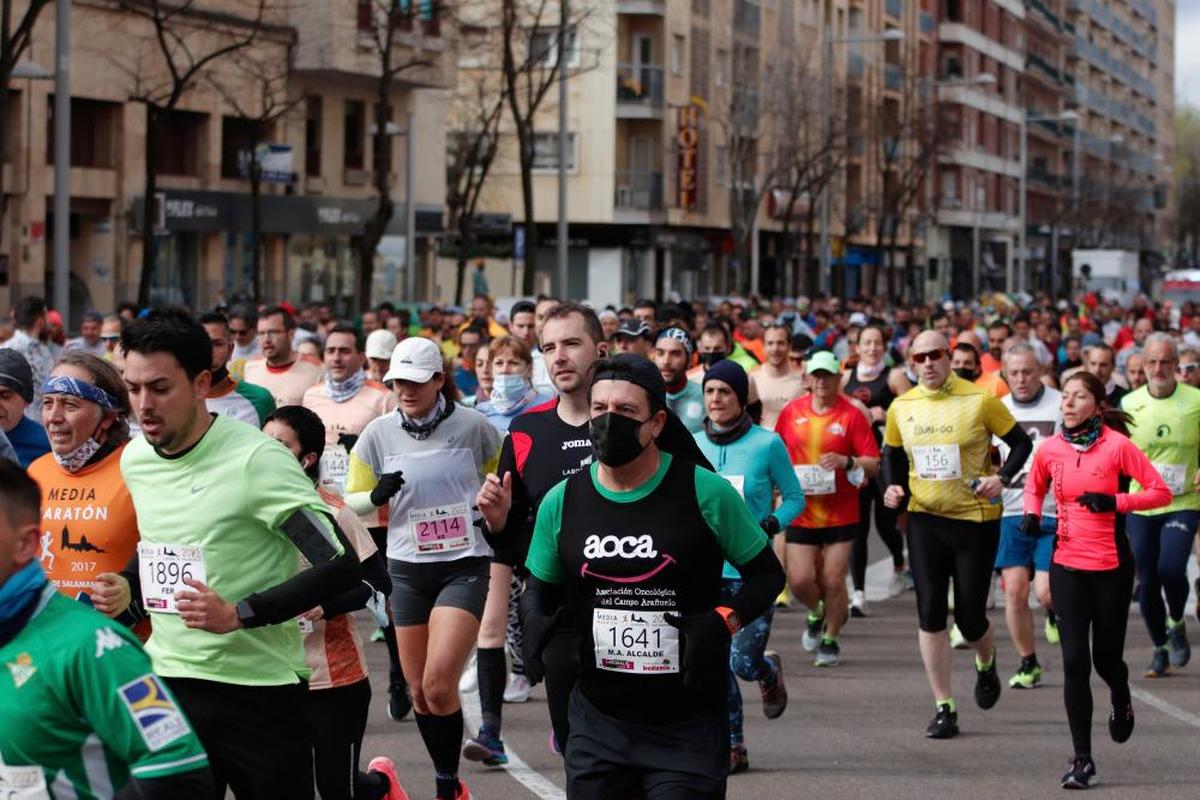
(203,514)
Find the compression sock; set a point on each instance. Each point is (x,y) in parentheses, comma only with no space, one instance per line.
(443,738)
(948,702)
(492,679)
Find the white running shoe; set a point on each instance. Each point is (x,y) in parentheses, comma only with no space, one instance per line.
(469,681)
(518,688)
(898,585)
(858,605)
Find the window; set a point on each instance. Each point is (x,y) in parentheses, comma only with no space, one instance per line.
(180,142)
(354,134)
(721,68)
(238,135)
(545,150)
(312,135)
(677,45)
(366,15)
(543,48)
(94,130)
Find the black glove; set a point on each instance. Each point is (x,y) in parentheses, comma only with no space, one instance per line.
(536,630)
(704,644)
(770,525)
(347,440)
(1098,502)
(389,484)
(1031,525)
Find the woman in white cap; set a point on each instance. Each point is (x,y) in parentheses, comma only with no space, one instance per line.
(380,344)
(425,463)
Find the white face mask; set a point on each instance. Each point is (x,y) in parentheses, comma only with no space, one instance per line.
(508,389)
(78,458)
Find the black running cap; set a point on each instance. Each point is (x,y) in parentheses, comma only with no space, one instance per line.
(638,371)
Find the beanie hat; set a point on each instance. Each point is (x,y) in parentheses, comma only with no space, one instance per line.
(731,372)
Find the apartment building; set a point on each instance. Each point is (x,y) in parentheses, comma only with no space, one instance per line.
(317,162)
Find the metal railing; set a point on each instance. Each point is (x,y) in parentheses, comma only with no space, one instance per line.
(640,84)
(638,191)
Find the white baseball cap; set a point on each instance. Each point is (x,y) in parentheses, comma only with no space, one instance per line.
(416,359)
(380,344)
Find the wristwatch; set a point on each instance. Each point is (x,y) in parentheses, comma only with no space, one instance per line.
(733,623)
(245,614)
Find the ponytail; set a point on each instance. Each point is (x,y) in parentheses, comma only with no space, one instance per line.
(1115,418)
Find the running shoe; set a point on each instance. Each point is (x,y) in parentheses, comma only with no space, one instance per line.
(377,635)
(1177,644)
(1159,665)
(944,725)
(399,701)
(739,759)
(387,768)
(1081,775)
(463,792)
(1026,677)
(518,688)
(858,605)
(1051,630)
(554,748)
(812,632)
(828,654)
(897,585)
(486,748)
(469,681)
(775,696)
(957,640)
(1120,723)
(987,684)
(784,601)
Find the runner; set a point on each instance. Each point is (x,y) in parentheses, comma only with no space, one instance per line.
(830,441)
(26,435)
(1038,410)
(339,695)
(632,549)
(777,383)
(280,370)
(756,462)
(217,562)
(510,367)
(243,324)
(89,737)
(673,351)
(1098,359)
(425,463)
(29,341)
(943,428)
(875,385)
(230,397)
(88,525)
(1165,425)
(1091,578)
(346,402)
(633,336)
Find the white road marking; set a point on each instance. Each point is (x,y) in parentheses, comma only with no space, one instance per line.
(521,772)
(1162,705)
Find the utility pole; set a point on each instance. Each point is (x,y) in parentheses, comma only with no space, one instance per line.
(563,143)
(62,161)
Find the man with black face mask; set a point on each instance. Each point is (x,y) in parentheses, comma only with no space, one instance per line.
(630,553)
(964,360)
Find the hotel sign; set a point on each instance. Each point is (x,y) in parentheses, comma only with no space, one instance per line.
(687,145)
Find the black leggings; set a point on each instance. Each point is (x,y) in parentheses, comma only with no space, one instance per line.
(885,523)
(940,548)
(1095,602)
(560,658)
(337,719)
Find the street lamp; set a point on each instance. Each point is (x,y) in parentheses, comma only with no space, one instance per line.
(410,207)
(890,35)
(1022,201)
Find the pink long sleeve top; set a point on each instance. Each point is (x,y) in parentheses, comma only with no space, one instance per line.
(1087,540)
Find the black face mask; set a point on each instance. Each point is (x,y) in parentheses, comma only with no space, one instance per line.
(219,375)
(966,374)
(708,359)
(615,438)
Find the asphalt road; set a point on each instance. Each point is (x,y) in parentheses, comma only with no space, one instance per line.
(856,731)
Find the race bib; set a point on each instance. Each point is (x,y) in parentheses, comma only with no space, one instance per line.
(738,482)
(1174,476)
(815,481)
(162,568)
(22,783)
(441,529)
(306,626)
(334,467)
(937,462)
(634,642)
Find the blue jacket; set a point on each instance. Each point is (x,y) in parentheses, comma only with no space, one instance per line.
(761,458)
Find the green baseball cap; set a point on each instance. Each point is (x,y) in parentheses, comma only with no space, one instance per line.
(823,360)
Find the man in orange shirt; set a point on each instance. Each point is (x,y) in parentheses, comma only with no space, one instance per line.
(997,333)
(965,363)
(281,370)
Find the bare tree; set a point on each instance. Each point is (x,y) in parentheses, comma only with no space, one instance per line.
(270,102)
(475,114)
(397,33)
(185,39)
(14,43)
(1186,225)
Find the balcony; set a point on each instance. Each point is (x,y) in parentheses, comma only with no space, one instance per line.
(892,79)
(1044,68)
(638,191)
(1045,179)
(895,8)
(642,8)
(1046,15)
(640,91)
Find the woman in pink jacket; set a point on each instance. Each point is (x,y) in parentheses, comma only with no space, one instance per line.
(1091,576)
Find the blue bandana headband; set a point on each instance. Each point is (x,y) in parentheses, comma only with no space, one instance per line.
(61,384)
(681,336)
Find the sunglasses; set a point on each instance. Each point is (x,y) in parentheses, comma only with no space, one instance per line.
(1187,369)
(931,355)
(110,338)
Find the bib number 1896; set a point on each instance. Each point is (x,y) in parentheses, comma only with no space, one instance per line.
(163,568)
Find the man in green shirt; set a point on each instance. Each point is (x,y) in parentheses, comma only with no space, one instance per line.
(632,551)
(81,712)
(224,514)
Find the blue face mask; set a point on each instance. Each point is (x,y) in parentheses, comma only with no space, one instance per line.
(508,389)
(19,589)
